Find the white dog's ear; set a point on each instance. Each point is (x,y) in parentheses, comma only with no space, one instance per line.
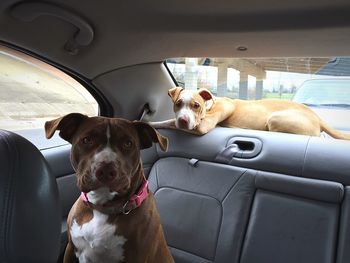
(174,93)
(208,98)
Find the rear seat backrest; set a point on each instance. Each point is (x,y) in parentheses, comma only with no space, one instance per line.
(223,213)
(343,255)
(204,208)
(236,213)
(292,220)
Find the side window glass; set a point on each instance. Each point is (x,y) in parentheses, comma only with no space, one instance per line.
(32,92)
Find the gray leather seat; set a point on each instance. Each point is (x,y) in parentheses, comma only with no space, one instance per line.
(30,211)
(283,206)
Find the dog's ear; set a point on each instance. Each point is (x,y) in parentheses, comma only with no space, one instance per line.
(205,94)
(147,135)
(67,125)
(174,93)
(207,97)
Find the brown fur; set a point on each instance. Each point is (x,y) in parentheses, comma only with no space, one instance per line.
(141,227)
(266,115)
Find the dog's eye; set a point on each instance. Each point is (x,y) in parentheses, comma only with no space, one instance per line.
(87,140)
(196,105)
(178,103)
(127,144)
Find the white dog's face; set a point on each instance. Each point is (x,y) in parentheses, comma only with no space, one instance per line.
(185,110)
(190,106)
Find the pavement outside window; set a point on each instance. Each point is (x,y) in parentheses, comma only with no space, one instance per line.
(32,92)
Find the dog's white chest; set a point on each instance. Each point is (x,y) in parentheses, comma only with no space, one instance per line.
(96,240)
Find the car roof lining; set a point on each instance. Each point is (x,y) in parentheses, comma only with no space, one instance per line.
(128,34)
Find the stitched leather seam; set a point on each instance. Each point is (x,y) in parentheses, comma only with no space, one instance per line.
(247,221)
(3,212)
(304,158)
(222,208)
(189,192)
(194,254)
(8,198)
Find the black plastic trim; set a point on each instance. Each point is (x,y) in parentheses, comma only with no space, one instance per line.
(171,75)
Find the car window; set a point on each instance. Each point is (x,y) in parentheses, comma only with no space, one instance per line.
(32,92)
(316,82)
(324,92)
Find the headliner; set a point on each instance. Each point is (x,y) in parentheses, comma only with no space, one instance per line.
(133,32)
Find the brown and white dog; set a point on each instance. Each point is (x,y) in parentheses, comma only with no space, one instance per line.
(199,112)
(115,219)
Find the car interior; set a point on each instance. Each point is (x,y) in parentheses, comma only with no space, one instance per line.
(231,195)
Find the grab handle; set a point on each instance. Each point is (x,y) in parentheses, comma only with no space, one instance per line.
(32,10)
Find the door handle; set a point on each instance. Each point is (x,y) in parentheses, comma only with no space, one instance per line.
(249,147)
(240,147)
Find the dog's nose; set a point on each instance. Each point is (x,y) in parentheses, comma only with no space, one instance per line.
(106,173)
(183,121)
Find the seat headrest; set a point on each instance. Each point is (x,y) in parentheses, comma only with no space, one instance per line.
(30,212)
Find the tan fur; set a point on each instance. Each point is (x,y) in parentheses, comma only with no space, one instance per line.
(266,115)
